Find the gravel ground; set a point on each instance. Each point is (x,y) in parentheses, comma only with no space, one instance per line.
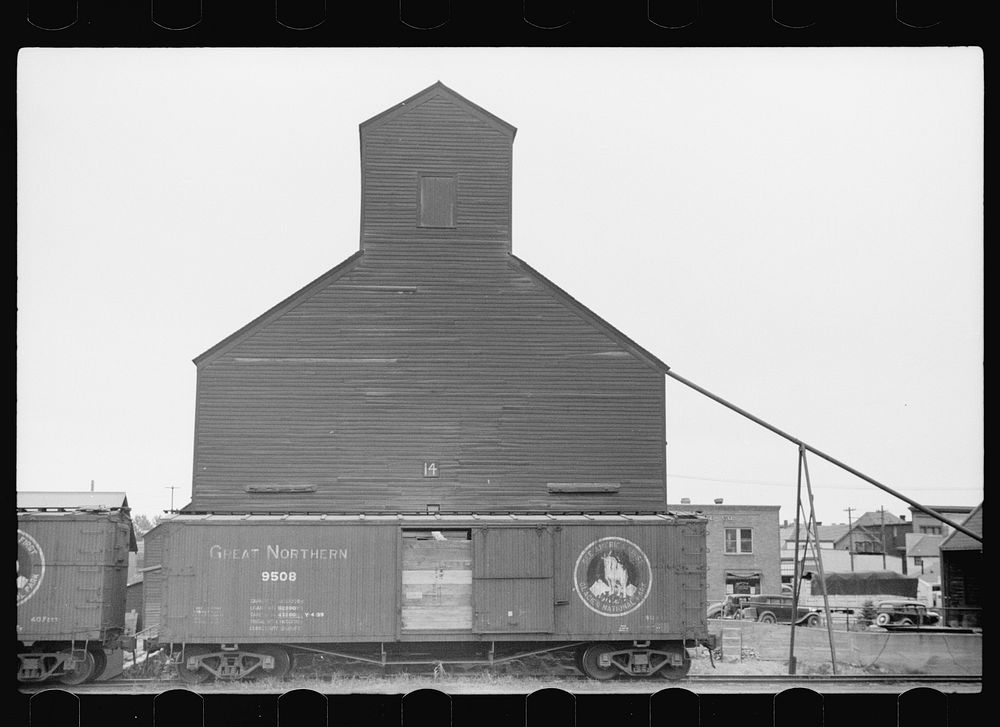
(343,678)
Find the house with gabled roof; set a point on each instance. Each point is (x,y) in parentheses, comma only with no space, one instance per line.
(876,532)
(433,370)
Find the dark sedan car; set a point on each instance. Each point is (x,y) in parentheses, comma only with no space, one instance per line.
(778,609)
(905,613)
(730,607)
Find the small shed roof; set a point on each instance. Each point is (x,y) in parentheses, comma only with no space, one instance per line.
(960,541)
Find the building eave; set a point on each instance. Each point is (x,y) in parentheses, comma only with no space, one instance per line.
(437,89)
(588,315)
(277,310)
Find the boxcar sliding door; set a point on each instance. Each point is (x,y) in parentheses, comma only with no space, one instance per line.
(512,580)
(437,580)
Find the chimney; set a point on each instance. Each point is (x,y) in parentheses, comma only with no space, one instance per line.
(685,500)
(785,525)
(818,523)
(718,501)
(903,518)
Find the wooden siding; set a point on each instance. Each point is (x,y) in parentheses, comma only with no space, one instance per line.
(274,581)
(84,568)
(211,587)
(513,587)
(438,137)
(474,366)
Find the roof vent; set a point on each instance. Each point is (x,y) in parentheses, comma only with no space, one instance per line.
(685,500)
(718,501)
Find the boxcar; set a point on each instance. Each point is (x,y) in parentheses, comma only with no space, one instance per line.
(72,566)
(241,595)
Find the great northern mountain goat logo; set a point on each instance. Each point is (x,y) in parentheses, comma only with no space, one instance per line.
(30,566)
(612,576)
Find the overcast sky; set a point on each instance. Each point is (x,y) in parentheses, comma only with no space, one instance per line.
(796,230)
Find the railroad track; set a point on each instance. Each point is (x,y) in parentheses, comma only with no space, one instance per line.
(779,682)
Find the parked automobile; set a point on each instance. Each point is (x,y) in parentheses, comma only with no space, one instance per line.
(778,609)
(729,607)
(905,613)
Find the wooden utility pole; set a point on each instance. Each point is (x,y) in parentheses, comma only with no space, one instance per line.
(819,559)
(882,512)
(850,536)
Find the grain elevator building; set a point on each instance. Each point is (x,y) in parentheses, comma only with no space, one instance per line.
(433,369)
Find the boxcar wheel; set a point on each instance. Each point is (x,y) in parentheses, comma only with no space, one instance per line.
(192,676)
(590,663)
(282,662)
(84,671)
(100,664)
(675,672)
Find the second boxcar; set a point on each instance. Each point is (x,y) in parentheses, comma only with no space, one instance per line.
(242,595)
(72,567)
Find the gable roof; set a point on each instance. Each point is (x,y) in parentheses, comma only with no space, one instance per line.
(875,518)
(276,310)
(588,315)
(437,90)
(332,275)
(960,541)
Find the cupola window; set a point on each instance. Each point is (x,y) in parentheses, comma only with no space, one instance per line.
(437,201)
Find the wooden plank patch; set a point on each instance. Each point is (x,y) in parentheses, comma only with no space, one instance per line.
(417,618)
(437,585)
(434,577)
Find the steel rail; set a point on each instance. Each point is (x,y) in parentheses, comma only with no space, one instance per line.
(780,679)
(743,412)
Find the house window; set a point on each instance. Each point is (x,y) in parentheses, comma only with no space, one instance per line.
(931,529)
(437,201)
(739,540)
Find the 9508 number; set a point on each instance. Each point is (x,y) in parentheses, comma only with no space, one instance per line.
(277,575)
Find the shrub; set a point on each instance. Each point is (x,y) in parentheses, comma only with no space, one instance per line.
(867,616)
